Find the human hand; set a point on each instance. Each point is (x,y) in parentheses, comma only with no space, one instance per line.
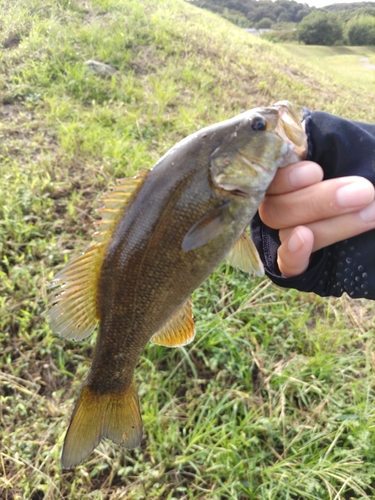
(311,214)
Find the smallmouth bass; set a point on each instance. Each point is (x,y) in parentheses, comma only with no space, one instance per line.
(162,234)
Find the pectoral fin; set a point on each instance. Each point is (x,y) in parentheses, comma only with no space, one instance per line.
(245,256)
(207,228)
(179,329)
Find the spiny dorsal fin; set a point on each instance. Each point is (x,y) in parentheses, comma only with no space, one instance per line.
(116,202)
(245,256)
(179,329)
(74,312)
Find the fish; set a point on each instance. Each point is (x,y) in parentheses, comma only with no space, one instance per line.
(161,234)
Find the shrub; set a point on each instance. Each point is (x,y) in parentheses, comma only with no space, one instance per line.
(361,30)
(281,35)
(264,23)
(320,28)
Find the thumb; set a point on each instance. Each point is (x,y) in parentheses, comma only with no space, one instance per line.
(295,251)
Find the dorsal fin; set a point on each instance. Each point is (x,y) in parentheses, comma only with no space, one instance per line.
(179,330)
(74,313)
(116,202)
(245,257)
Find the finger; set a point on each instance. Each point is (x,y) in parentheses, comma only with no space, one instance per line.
(330,231)
(324,200)
(296,176)
(295,252)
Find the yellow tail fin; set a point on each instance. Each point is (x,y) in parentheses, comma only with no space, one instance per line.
(115,416)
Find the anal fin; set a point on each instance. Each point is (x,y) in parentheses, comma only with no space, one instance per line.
(245,257)
(179,330)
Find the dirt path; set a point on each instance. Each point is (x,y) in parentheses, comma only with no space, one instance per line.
(366,63)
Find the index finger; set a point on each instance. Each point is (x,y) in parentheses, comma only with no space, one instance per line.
(320,201)
(296,176)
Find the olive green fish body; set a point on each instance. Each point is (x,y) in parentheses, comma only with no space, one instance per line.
(180,220)
(133,308)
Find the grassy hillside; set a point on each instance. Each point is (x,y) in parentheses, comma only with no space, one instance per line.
(274,399)
(348,65)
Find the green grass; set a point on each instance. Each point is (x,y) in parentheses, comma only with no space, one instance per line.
(274,399)
(353,66)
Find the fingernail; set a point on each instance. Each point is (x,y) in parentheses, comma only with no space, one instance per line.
(368,213)
(295,242)
(305,175)
(355,194)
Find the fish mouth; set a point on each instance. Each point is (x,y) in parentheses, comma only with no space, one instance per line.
(290,130)
(239,190)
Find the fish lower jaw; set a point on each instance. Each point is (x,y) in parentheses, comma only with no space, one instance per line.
(244,191)
(291,155)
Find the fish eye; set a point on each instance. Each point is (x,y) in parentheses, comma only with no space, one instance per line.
(258,123)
